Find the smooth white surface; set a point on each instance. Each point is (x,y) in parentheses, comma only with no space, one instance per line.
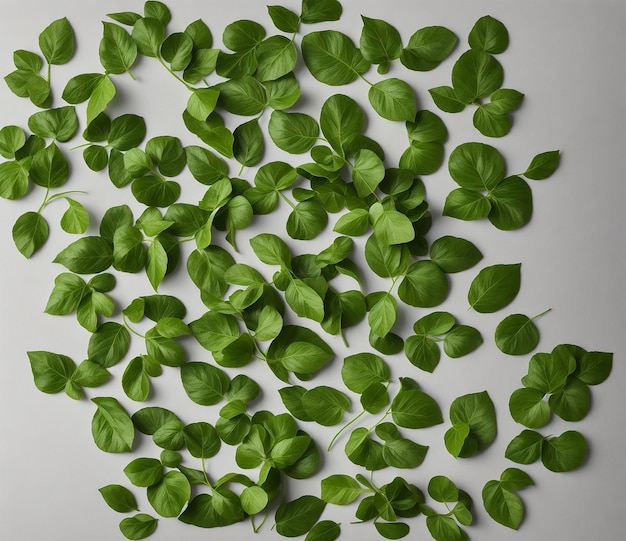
(568,58)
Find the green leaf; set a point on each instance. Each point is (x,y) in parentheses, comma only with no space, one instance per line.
(503,506)
(422,352)
(489,35)
(476,74)
(368,172)
(446,99)
(455,438)
(424,285)
(244,96)
(109,344)
(139,526)
(325,405)
(516,335)
(206,167)
(177,49)
(111,426)
(306,220)
(169,496)
(565,452)
(27,61)
(284,19)
(466,205)
(144,472)
(341,120)
(202,440)
(548,373)
(13,180)
(361,370)
(572,402)
(271,249)
(205,384)
(386,260)
(393,227)
(317,11)
(76,218)
(60,123)
(528,407)
(476,166)
(30,232)
(442,489)
(543,165)
(461,340)
(403,453)
(202,102)
(96,157)
(248,146)
(340,489)
(380,42)
(595,367)
(299,350)
(119,498)
(392,530)
(135,380)
(511,204)
(68,291)
(324,530)
(148,34)
(297,517)
(118,51)
(295,133)
(428,47)
(155,191)
(494,287)
(127,131)
(288,451)
(332,58)
(477,411)
(276,56)
(393,99)
(415,409)
(454,254)
(51,371)
(525,448)
(156,263)
(49,167)
(57,42)
(490,122)
(304,300)
(382,315)
(87,255)
(12,138)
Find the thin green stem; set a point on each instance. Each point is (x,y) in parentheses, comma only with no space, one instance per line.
(206,477)
(45,201)
(381,419)
(131,75)
(80,146)
(368,82)
(189,87)
(128,326)
(286,199)
(542,314)
(63,194)
(332,442)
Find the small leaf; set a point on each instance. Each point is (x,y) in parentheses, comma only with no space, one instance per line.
(494,287)
(543,165)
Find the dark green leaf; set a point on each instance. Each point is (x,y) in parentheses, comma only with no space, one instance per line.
(332,58)
(428,47)
(87,255)
(57,42)
(565,452)
(297,517)
(119,498)
(393,99)
(30,233)
(139,526)
(489,35)
(111,426)
(494,287)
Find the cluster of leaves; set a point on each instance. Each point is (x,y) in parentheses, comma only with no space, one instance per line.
(345,173)
(564,376)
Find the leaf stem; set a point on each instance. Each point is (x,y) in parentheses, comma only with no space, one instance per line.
(332,442)
(127,325)
(542,314)
(187,86)
(286,199)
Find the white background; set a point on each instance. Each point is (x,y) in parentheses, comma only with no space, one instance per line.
(567,57)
